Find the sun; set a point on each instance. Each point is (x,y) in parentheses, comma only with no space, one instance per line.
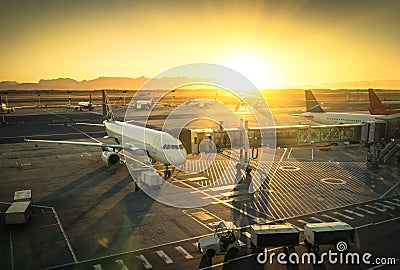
(253,68)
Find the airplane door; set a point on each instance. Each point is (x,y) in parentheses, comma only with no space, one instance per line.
(155,145)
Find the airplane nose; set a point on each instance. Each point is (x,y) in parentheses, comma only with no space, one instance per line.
(177,157)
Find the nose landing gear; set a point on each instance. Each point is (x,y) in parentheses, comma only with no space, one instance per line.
(168,172)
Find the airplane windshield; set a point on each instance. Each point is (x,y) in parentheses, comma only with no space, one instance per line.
(172,146)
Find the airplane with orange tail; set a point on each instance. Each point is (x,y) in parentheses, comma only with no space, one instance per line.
(376,107)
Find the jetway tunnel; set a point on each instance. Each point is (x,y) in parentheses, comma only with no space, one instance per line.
(369,133)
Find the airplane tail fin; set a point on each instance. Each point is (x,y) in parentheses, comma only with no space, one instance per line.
(375,104)
(312,104)
(107,112)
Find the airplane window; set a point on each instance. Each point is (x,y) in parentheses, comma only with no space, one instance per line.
(180,146)
(164,146)
(174,146)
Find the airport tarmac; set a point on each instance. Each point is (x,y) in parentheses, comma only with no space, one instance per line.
(88,216)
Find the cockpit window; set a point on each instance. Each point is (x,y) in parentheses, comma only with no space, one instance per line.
(172,146)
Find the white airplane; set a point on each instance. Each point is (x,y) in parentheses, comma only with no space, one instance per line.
(317,114)
(4,107)
(84,105)
(157,145)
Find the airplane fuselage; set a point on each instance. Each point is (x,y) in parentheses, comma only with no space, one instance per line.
(339,118)
(158,145)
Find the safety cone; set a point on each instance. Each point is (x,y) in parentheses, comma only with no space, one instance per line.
(16,164)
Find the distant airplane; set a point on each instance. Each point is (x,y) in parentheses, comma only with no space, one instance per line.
(317,114)
(157,145)
(376,107)
(84,105)
(4,107)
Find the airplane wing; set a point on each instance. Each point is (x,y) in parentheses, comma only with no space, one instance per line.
(90,124)
(119,146)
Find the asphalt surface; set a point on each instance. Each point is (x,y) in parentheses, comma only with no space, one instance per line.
(88,216)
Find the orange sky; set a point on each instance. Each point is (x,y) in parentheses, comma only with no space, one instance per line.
(273,43)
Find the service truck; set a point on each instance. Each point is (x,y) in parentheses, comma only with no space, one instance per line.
(274,235)
(224,241)
(328,233)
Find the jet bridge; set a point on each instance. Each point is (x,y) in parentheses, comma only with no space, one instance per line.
(369,133)
(288,135)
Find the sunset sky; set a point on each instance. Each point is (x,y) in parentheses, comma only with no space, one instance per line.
(272,43)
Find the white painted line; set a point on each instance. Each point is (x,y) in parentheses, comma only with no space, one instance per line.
(211,197)
(198,221)
(196,178)
(145,262)
(377,223)
(302,221)
(390,189)
(316,219)
(290,151)
(335,219)
(312,153)
(64,234)
(182,251)
(283,155)
(122,264)
(392,203)
(366,211)
(376,208)
(386,206)
(11,251)
(164,256)
(354,213)
(247,234)
(97,267)
(221,201)
(343,215)
(229,187)
(241,243)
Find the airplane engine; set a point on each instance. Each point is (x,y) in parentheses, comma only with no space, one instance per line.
(110,158)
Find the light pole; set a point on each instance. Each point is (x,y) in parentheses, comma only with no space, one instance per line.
(6,93)
(69,97)
(124,92)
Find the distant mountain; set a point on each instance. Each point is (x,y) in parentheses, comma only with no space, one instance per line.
(100,83)
(123,83)
(71,84)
